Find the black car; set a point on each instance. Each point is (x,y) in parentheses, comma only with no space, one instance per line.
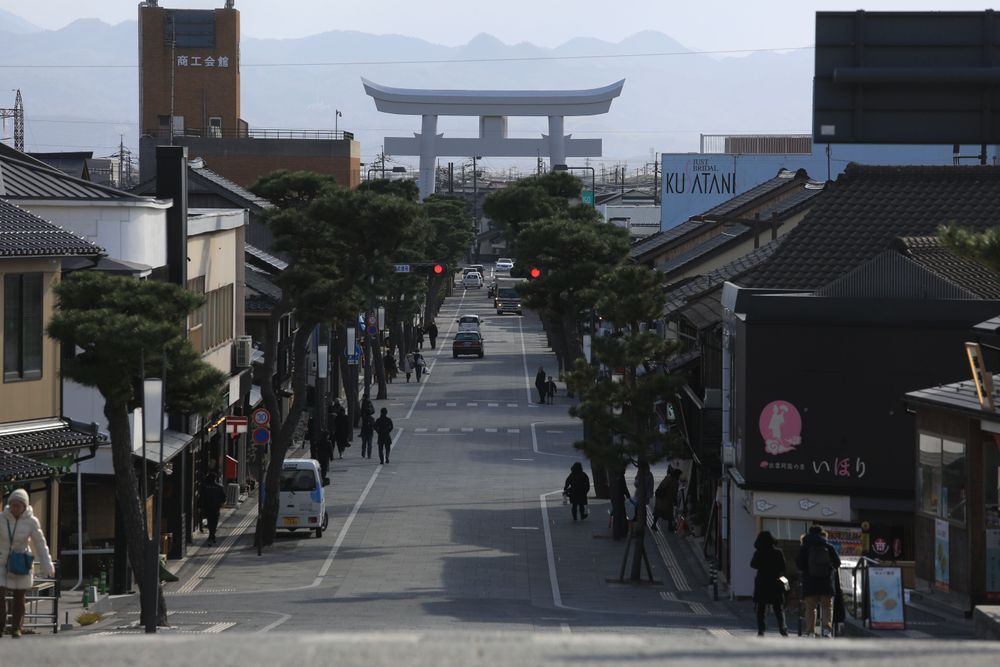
(467,342)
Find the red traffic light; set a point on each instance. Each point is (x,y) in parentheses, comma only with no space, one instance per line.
(438,269)
(535,273)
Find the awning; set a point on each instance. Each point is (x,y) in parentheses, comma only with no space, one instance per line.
(173,443)
(16,468)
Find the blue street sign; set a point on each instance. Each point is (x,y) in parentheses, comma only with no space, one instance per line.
(372,330)
(261,436)
(401,268)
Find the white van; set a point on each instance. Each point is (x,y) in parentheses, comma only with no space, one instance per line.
(302,500)
(472,280)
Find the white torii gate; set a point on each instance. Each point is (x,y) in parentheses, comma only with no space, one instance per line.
(493,107)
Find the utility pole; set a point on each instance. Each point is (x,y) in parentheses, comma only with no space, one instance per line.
(17,113)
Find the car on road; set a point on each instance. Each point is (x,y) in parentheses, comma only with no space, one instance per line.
(504,264)
(467,342)
(508,301)
(469,323)
(302,499)
(472,280)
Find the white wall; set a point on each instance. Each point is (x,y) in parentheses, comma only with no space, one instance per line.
(741,539)
(135,233)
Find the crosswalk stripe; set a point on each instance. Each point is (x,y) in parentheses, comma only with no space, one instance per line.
(467,429)
(450,405)
(493,405)
(444,430)
(472,405)
(491,430)
(420,430)
(432,405)
(513,430)
(512,405)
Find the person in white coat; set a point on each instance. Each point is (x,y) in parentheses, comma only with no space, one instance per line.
(18,529)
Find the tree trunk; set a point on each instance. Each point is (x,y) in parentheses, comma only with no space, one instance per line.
(639,530)
(379,361)
(129,502)
(281,432)
(619,518)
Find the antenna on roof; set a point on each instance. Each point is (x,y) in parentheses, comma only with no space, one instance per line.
(230,3)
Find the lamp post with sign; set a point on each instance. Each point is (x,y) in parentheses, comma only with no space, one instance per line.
(261,437)
(152,427)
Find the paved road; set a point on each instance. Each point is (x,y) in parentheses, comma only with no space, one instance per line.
(453,532)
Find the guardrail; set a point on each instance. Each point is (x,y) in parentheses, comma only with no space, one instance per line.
(256,133)
(44,592)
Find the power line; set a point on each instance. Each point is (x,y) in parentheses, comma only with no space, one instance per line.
(444,61)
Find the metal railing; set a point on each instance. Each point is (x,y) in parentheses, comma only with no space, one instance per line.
(860,608)
(245,133)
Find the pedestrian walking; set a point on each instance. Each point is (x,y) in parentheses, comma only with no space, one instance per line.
(666,499)
(390,367)
(324,454)
(21,542)
(576,489)
(367,434)
(432,334)
(550,390)
(213,497)
(408,366)
(341,431)
(769,584)
(419,365)
(419,333)
(540,384)
(383,427)
(818,561)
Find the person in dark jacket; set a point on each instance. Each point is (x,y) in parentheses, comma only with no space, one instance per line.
(576,489)
(817,562)
(367,433)
(213,497)
(341,431)
(666,499)
(383,427)
(390,367)
(323,453)
(541,384)
(432,334)
(768,589)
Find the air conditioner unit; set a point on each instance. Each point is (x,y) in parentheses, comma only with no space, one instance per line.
(244,351)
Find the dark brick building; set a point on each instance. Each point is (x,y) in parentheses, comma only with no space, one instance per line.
(189,95)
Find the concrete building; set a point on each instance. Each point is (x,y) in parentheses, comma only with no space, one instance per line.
(189,95)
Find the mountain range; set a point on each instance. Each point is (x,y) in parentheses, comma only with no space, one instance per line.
(668,99)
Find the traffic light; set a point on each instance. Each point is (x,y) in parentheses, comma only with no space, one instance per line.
(438,269)
(534,273)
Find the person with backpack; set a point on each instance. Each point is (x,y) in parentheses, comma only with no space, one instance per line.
(576,488)
(818,562)
(768,587)
(367,429)
(383,427)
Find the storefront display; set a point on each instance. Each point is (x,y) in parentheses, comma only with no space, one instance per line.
(885,598)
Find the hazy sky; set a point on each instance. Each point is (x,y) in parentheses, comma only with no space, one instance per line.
(698,24)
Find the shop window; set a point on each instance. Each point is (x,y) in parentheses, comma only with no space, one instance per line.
(22,327)
(941,478)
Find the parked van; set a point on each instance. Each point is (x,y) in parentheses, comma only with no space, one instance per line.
(302,499)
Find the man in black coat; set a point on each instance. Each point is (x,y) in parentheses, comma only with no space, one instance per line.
(213,497)
(541,384)
(818,562)
(432,334)
(341,431)
(576,488)
(323,454)
(383,427)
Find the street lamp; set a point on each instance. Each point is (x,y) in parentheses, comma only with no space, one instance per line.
(152,418)
(336,115)
(593,179)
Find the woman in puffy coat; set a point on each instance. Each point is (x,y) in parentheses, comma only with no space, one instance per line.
(18,529)
(576,489)
(768,589)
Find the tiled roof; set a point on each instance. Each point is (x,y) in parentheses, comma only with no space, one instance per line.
(958,397)
(730,233)
(16,468)
(654,242)
(22,177)
(769,186)
(929,252)
(23,234)
(49,440)
(867,209)
(202,179)
(262,294)
(252,200)
(796,199)
(264,260)
(679,297)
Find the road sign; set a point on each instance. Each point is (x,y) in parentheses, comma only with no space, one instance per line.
(353,358)
(587,197)
(372,330)
(261,436)
(261,417)
(401,268)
